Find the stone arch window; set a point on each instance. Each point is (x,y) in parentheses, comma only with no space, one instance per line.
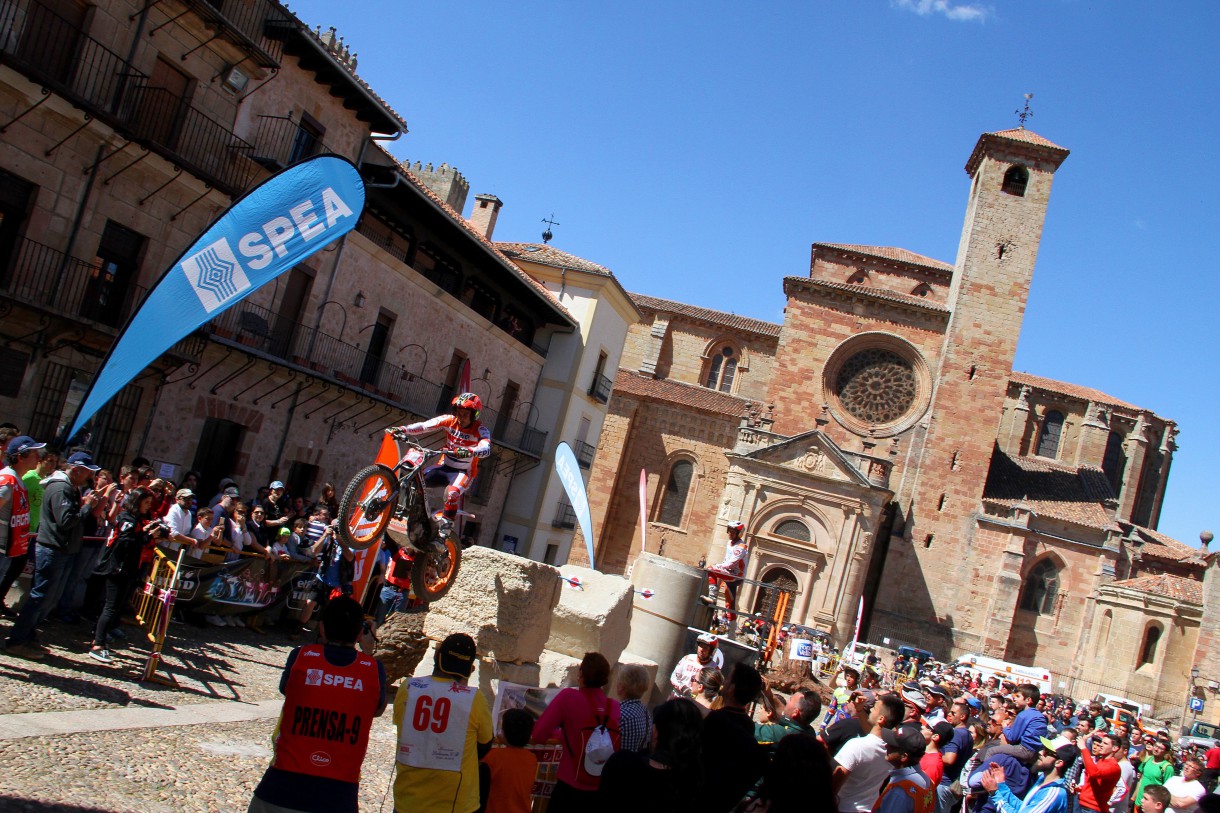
(766,600)
(1103,632)
(1152,637)
(672,507)
(1016,179)
(1052,430)
(1041,588)
(1114,461)
(793,529)
(922,289)
(722,368)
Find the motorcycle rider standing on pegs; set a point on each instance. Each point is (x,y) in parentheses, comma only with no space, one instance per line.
(466,440)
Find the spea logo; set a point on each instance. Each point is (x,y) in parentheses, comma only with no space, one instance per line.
(215,275)
(313,677)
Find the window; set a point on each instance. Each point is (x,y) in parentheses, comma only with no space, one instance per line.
(307,140)
(677,487)
(1152,637)
(1041,588)
(114,270)
(15,197)
(1015,181)
(793,529)
(374,355)
(721,370)
(1114,461)
(1052,428)
(485,479)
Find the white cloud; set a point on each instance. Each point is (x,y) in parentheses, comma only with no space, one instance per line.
(967,12)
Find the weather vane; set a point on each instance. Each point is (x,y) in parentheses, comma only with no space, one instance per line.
(549,221)
(1026,113)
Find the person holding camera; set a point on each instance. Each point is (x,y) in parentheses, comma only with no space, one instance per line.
(120,563)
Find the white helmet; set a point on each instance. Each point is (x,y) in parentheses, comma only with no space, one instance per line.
(739,527)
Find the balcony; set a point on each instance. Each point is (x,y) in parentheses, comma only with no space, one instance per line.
(584,454)
(256,26)
(280,142)
(190,138)
(600,388)
(58,54)
(565,516)
(39,275)
(259,329)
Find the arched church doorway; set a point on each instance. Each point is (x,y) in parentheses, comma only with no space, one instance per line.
(764,603)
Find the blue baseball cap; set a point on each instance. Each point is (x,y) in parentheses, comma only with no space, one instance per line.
(22,444)
(83,459)
(276,484)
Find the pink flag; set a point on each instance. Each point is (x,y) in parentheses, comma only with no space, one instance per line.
(643,510)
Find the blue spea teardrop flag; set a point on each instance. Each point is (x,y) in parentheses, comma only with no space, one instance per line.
(274,226)
(569,476)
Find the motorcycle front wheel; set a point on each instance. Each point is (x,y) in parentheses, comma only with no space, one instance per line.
(432,574)
(366,507)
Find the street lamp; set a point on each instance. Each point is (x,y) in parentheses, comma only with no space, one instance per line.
(1194,698)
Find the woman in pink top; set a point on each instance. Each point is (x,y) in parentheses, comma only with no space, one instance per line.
(571,718)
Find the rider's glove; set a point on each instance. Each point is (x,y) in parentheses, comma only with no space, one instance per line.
(459,454)
(397,432)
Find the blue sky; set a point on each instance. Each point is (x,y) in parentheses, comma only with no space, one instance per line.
(698,148)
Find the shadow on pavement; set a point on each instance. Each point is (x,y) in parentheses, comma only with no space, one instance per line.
(18,805)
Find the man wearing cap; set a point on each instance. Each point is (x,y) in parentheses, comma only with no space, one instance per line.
(222,509)
(838,698)
(907,789)
(444,728)
(20,456)
(1049,795)
(707,653)
(277,513)
(938,700)
(60,538)
(835,735)
(914,703)
(332,691)
(180,524)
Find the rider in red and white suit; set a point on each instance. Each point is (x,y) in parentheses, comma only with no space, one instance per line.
(466,440)
(732,569)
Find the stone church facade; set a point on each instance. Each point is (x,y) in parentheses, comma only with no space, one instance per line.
(878,444)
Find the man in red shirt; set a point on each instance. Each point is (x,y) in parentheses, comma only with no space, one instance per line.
(1212,762)
(1101,773)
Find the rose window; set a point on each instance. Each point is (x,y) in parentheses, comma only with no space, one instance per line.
(877,386)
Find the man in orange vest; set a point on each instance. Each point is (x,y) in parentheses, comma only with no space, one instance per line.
(332,691)
(909,790)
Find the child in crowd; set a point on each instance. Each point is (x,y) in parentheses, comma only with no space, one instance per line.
(1156,799)
(212,537)
(296,544)
(506,776)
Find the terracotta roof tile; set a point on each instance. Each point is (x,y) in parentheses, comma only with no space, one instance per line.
(499,255)
(1160,546)
(1043,148)
(1165,584)
(719,318)
(1049,489)
(890,253)
(549,255)
(628,382)
(1074,390)
(869,292)
(347,68)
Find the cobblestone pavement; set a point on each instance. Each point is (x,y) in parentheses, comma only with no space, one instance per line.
(209,767)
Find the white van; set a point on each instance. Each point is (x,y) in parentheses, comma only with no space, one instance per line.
(994,667)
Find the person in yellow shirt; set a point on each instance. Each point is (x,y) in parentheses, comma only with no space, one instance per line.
(444,728)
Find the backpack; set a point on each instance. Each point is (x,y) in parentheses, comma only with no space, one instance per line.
(597,747)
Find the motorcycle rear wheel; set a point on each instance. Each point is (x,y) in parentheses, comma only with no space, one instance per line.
(366,507)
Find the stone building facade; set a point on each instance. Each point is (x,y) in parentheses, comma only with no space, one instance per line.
(878,444)
(128,128)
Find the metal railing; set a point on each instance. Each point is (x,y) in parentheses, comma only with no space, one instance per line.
(263,330)
(279,142)
(41,276)
(258,25)
(600,388)
(565,516)
(584,454)
(56,53)
(202,145)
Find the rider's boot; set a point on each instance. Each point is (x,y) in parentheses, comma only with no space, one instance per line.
(444,527)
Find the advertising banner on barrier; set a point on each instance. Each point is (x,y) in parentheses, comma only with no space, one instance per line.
(270,229)
(248,585)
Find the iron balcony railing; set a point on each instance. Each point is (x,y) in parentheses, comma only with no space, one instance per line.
(565,516)
(584,454)
(280,142)
(55,52)
(258,26)
(263,330)
(41,276)
(199,143)
(600,388)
